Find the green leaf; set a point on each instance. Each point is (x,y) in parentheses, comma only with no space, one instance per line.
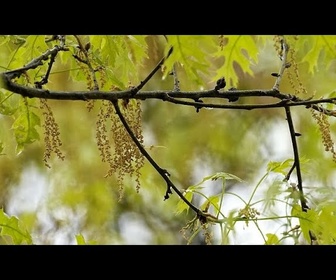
(121,56)
(13,228)
(307,220)
(280,167)
(213,200)
(9,102)
(241,50)
(4,39)
(80,239)
(319,46)
(181,205)
(189,52)
(220,175)
(273,191)
(33,47)
(24,127)
(272,239)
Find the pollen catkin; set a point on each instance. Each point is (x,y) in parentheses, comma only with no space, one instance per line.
(208,235)
(51,134)
(324,127)
(125,157)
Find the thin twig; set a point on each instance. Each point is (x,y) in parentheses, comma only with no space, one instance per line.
(284,65)
(303,201)
(164,173)
(35,62)
(135,90)
(87,62)
(296,158)
(45,78)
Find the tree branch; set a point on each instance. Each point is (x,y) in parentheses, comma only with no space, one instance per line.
(170,96)
(303,201)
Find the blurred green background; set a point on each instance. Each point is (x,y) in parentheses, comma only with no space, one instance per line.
(74,197)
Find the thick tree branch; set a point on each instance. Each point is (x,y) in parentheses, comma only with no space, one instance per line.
(170,96)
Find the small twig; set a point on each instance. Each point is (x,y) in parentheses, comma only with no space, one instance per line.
(284,65)
(303,201)
(164,173)
(296,158)
(290,172)
(84,50)
(35,62)
(176,80)
(135,90)
(45,78)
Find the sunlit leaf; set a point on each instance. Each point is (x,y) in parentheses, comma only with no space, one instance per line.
(326,223)
(212,200)
(181,205)
(280,167)
(318,46)
(121,56)
(272,239)
(272,192)
(307,220)
(33,47)
(189,52)
(241,50)
(80,239)
(12,227)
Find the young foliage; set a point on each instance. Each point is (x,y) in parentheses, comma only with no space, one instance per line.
(14,229)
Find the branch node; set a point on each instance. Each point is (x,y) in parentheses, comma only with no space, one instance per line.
(221,83)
